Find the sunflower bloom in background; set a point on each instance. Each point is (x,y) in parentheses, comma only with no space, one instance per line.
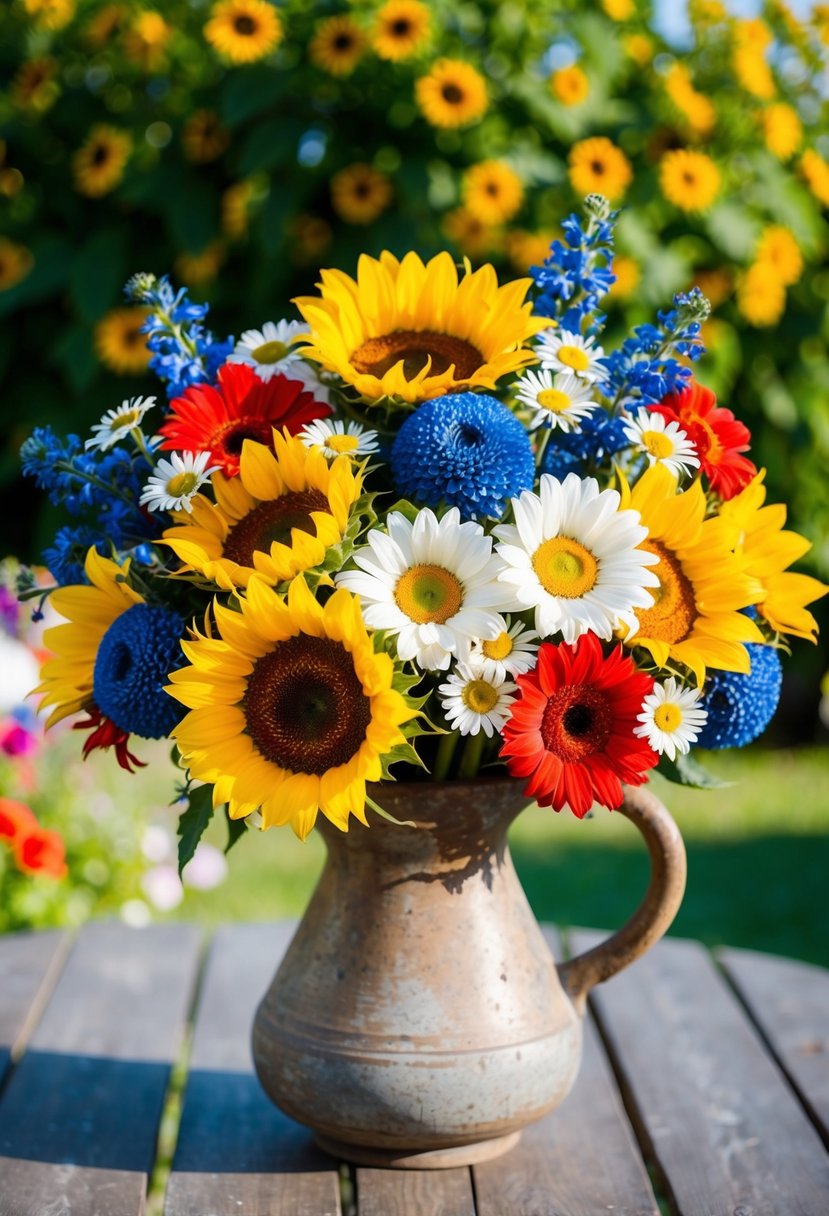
(204,138)
(50,14)
(761,295)
(696,109)
(120,343)
(243,31)
(492,192)
(569,85)
(360,193)
(690,180)
(337,46)
(402,29)
(15,263)
(291,709)
(597,166)
(99,164)
(778,249)
(782,130)
(452,94)
(815,171)
(34,86)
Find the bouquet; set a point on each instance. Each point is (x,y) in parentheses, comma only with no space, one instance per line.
(430,530)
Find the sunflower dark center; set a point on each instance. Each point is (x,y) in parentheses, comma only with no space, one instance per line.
(674,610)
(400,28)
(576,723)
(414,348)
(100,155)
(362,189)
(272,522)
(132,336)
(343,42)
(598,167)
(452,94)
(305,707)
(244,25)
(233,434)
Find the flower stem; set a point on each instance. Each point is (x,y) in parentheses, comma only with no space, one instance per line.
(446,750)
(473,748)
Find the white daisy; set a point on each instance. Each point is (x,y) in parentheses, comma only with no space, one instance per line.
(270,350)
(662,442)
(310,377)
(117,424)
(512,652)
(562,350)
(556,399)
(176,481)
(671,718)
(572,555)
(473,703)
(433,583)
(337,439)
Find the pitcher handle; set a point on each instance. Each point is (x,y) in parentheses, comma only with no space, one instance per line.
(653,916)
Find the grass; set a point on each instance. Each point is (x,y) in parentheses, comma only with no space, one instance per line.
(758,855)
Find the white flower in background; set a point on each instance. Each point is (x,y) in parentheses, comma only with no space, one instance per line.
(562,350)
(572,556)
(271,349)
(338,439)
(662,442)
(135,913)
(472,703)
(308,375)
(557,399)
(175,482)
(117,424)
(162,887)
(207,868)
(433,583)
(671,718)
(511,653)
(21,672)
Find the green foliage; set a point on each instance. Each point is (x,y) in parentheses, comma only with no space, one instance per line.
(193,821)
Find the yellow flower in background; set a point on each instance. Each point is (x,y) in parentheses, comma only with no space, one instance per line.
(526,249)
(639,48)
(50,14)
(337,45)
(401,29)
(473,237)
(820,20)
(619,10)
(198,269)
(689,180)
(360,193)
(99,163)
(761,295)
(104,24)
(452,94)
(414,331)
(291,709)
(203,138)
(782,130)
(570,85)
(236,202)
(146,39)
(778,249)
(815,171)
(119,343)
(16,261)
(751,38)
(715,284)
(35,85)
(628,276)
(707,12)
(243,31)
(695,108)
(597,166)
(310,237)
(492,192)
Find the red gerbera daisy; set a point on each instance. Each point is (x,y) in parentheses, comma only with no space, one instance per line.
(219,420)
(570,730)
(717,435)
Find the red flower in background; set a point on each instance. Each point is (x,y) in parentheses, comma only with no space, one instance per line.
(219,420)
(717,435)
(570,731)
(36,849)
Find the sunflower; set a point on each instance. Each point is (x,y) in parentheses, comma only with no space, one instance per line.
(628,276)
(204,139)
(198,269)
(452,94)
(310,237)
(337,45)
(619,10)
(360,193)
(35,86)
(689,180)
(492,192)
(236,204)
(778,249)
(278,517)
(761,295)
(146,39)
(598,166)
(50,14)
(815,172)
(767,552)
(105,24)
(401,29)
(526,249)
(569,85)
(470,234)
(291,709)
(694,107)
(119,342)
(243,30)
(639,48)
(696,616)
(413,331)
(15,263)
(99,163)
(782,130)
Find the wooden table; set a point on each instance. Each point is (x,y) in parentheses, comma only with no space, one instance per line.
(704,1091)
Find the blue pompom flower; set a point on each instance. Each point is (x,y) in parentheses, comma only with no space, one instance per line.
(135,657)
(740,707)
(465,450)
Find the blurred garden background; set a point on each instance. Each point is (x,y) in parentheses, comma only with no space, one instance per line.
(241,145)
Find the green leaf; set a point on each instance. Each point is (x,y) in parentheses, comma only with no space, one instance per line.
(236,829)
(249,91)
(98,271)
(270,143)
(74,353)
(401,752)
(193,821)
(685,770)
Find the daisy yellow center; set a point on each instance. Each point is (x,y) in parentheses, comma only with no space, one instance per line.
(674,611)
(428,594)
(498,648)
(575,357)
(414,349)
(553,399)
(182,484)
(667,717)
(271,523)
(565,568)
(342,443)
(576,722)
(269,352)
(479,696)
(304,705)
(127,418)
(658,444)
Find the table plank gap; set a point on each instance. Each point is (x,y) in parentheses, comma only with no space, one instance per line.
(580,1160)
(237,1155)
(79,1118)
(404,1192)
(29,967)
(710,1104)
(788,1002)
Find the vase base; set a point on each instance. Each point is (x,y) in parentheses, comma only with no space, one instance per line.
(428,1159)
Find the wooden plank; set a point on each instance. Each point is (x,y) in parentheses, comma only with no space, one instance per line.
(711,1107)
(237,1155)
(79,1118)
(29,965)
(789,1001)
(579,1160)
(404,1192)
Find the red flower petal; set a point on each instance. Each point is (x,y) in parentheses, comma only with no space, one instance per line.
(718,436)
